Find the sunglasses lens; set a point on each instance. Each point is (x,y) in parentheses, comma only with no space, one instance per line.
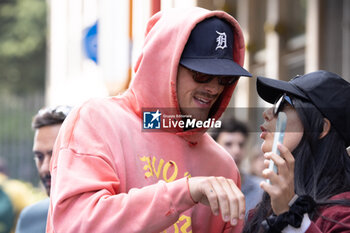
(205,78)
(277,105)
(280,103)
(202,78)
(288,99)
(227,80)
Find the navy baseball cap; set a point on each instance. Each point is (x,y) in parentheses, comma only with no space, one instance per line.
(209,49)
(327,91)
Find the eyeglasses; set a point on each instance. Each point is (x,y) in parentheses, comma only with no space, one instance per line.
(60,112)
(206,78)
(280,103)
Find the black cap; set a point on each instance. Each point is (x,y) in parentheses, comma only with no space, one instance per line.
(209,49)
(327,91)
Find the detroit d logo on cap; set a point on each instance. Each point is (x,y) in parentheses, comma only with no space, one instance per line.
(151,120)
(221,39)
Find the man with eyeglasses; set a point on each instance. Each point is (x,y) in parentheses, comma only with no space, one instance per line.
(46,124)
(117,168)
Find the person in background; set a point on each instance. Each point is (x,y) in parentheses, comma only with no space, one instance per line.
(233,136)
(7,214)
(46,124)
(256,162)
(117,167)
(20,194)
(3,166)
(311,190)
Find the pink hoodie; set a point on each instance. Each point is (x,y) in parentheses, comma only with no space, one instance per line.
(109,175)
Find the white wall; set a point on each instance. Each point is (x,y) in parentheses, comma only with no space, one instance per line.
(72,77)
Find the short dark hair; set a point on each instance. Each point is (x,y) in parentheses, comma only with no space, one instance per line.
(50,116)
(230,125)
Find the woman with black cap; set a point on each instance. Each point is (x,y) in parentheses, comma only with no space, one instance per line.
(311,190)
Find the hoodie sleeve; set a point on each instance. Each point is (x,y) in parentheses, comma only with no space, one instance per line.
(88,200)
(86,194)
(234,229)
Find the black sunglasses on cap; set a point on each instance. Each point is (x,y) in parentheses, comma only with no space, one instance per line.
(280,103)
(206,78)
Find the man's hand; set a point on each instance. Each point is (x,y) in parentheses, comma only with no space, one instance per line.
(221,194)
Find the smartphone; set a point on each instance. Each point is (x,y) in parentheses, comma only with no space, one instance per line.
(278,138)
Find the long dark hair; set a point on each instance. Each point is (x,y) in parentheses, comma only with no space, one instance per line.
(322,166)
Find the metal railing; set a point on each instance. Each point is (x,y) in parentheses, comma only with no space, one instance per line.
(16,135)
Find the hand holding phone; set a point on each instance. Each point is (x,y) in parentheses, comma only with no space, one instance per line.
(278,138)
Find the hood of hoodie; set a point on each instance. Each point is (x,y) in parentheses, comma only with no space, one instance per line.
(154,84)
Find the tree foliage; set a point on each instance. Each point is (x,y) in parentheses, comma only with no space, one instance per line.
(22,45)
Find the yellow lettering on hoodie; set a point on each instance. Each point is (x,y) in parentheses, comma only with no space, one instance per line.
(166,171)
(185,223)
(147,167)
(160,165)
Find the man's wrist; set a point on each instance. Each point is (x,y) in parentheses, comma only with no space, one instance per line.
(189,190)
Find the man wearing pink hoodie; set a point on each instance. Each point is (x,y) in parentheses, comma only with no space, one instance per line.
(143,162)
